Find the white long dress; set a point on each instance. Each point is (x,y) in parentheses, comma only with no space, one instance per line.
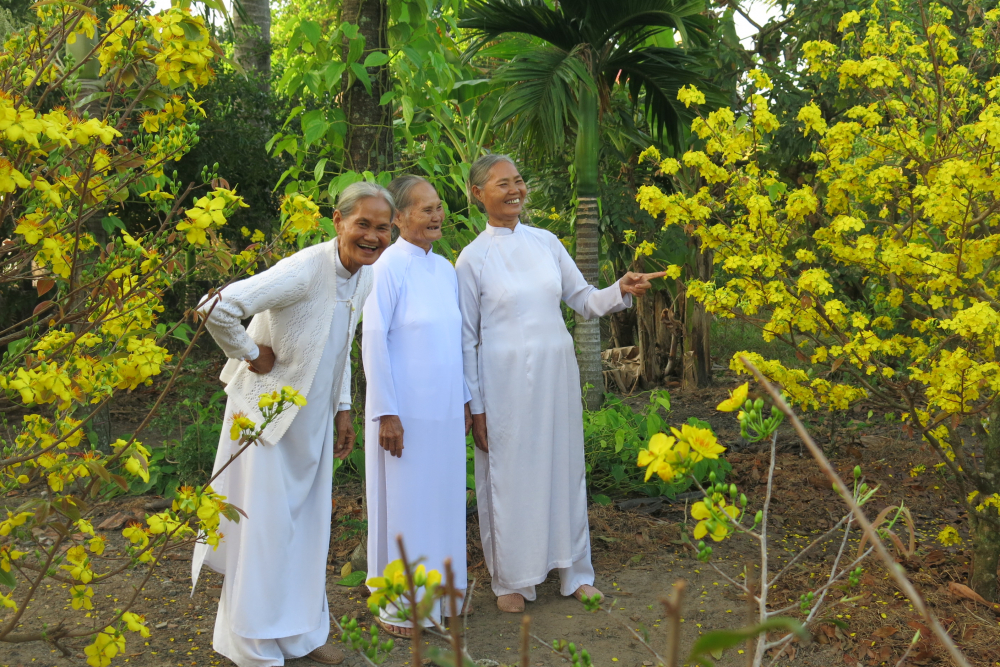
(273,604)
(520,367)
(412,351)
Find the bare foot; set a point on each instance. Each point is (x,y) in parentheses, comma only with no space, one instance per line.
(512,603)
(587,590)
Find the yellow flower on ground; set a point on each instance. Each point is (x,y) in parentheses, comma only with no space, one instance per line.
(736,399)
(715,525)
(949,536)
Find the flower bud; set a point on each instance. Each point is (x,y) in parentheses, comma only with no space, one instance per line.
(743,500)
(711,477)
(758,404)
(732,491)
(857,472)
(758,517)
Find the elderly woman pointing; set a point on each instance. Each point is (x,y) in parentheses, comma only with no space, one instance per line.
(305,308)
(415,408)
(526,403)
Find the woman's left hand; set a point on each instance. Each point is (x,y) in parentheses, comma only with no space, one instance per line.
(638,284)
(468,418)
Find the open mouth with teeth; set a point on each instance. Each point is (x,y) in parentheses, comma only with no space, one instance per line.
(367,247)
(513,202)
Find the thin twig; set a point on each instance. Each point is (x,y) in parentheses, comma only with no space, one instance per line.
(895,571)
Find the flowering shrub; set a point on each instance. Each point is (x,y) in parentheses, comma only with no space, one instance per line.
(63,172)
(879,269)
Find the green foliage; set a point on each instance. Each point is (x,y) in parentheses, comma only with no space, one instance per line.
(366,643)
(613,437)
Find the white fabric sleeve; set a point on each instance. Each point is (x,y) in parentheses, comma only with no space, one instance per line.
(468,303)
(281,285)
(379,308)
(583,297)
(345,381)
(253,353)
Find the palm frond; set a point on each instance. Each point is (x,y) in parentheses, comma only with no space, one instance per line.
(542,95)
(489,19)
(653,77)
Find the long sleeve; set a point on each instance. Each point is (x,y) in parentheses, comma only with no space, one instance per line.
(281,285)
(378,312)
(345,382)
(468,304)
(583,297)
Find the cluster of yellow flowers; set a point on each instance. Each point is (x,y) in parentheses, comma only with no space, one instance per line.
(208,213)
(186,49)
(394,583)
(299,213)
(673,456)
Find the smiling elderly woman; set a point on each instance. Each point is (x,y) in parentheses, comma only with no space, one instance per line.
(527,410)
(415,408)
(305,308)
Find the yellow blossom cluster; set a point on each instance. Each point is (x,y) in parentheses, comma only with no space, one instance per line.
(880,270)
(186,50)
(299,213)
(208,213)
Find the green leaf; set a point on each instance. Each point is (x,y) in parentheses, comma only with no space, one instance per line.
(314,126)
(355,49)
(355,578)
(362,76)
(719,640)
(332,74)
(407,104)
(110,222)
(376,59)
(7,579)
(775,189)
(601,499)
(320,169)
(312,31)
(386,97)
(191,31)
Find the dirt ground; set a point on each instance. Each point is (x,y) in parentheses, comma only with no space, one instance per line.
(638,555)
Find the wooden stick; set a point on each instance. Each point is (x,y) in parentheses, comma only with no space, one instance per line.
(456,636)
(525,641)
(672,610)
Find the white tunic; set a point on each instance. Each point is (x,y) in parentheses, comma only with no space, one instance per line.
(520,367)
(273,604)
(412,351)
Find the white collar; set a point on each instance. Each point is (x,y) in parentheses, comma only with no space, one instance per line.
(502,231)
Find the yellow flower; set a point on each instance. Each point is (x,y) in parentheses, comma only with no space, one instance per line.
(701,441)
(949,536)
(660,457)
(81,597)
(289,394)
(240,423)
(736,399)
(715,524)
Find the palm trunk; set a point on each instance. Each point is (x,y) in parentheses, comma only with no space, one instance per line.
(253,36)
(369,141)
(588,332)
(697,349)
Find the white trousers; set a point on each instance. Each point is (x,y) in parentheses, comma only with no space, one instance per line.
(580,573)
(249,652)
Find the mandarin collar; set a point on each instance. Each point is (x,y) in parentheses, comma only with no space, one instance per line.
(493,230)
(341,271)
(412,249)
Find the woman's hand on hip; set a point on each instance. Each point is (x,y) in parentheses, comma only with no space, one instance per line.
(390,435)
(638,284)
(344,426)
(264,361)
(479,432)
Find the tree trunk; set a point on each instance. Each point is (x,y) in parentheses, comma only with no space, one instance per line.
(588,240)
(253,36)
(985,556)
(986,534)
(697,348)
(369,141)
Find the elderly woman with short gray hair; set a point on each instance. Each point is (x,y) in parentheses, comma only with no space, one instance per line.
(527,411)
(305,308)
(416,401)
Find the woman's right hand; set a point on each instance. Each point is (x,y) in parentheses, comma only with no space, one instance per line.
(264,361)
(479,432)
(390,435)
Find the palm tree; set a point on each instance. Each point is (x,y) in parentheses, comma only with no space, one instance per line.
(576,52)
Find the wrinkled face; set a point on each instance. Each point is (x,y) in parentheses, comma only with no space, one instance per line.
(504,193)
(420,223)
(364,234)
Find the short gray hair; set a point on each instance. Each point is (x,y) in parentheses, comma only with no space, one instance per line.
(401,189)
(355,192)
(480,171)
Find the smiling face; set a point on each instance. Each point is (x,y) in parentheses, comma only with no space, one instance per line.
(420,223)
(363,234)
(503,195)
